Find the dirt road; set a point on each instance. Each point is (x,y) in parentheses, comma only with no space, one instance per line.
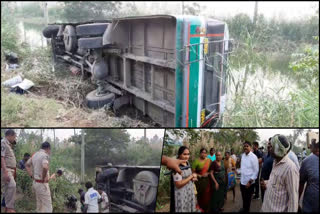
(235,206)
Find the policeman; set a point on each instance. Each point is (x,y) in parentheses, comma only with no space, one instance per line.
(8,170)
(38,169)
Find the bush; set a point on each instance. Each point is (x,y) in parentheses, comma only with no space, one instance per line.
(306,66)
(31,9)
(274,34)
(24,182)
(163,195)
(60,189)
(9,30)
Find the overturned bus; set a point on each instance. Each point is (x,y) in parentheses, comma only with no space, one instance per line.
(130,188)
(171,68)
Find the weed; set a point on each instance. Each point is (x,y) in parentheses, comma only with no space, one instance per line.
(262,96)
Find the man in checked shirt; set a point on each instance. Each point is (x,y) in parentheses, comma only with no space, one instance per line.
(282,188)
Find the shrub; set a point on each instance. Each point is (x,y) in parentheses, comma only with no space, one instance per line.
(9,31)
(24,182)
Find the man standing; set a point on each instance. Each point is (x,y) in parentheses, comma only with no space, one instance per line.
(282,187)
(294,158)
(309,172)
(233,156)
(91,199)
(105,203)
(266,167)
(212,155)
(304,153)
(38,169)
(82,194)
(259,155)
(22,162)
(8,170)
(249,173)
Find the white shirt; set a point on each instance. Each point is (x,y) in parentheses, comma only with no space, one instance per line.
(304,153)
(234,157)
(105,203)
(249,168)
(91,198)
(294,158)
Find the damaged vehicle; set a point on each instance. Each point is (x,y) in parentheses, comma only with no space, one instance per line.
(130,188)
(171,68)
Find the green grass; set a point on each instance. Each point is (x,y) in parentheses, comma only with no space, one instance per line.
(26,205)
(301,109)
(24,110)
(272,101)
(163,195)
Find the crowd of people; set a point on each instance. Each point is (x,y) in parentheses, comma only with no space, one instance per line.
(37,167)
(278,175)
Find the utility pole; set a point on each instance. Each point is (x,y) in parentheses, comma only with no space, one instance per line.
(54,136)
(255,14)
(82,155)
(145,135)
(182,7)
(46,17)
(45,12)
(41,133)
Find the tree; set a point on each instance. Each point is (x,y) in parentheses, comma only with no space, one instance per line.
(293,138)
(142,153)
(78,11)
(221,139)
(31,9)
(130,9)
(193,9)
(306,65)
(239,26)
(103,146)
(9,29)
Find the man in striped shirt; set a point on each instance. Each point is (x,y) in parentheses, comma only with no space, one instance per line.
(282,193)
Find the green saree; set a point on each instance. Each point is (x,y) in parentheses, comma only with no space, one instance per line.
(202,185)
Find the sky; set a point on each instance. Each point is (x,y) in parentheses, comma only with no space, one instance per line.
(280,9)
(290,10)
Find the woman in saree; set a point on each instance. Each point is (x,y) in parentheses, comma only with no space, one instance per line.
(183,197)
(217,174)
(201,167)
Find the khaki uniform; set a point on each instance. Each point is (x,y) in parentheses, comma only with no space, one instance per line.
(42,190)
(10,187)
